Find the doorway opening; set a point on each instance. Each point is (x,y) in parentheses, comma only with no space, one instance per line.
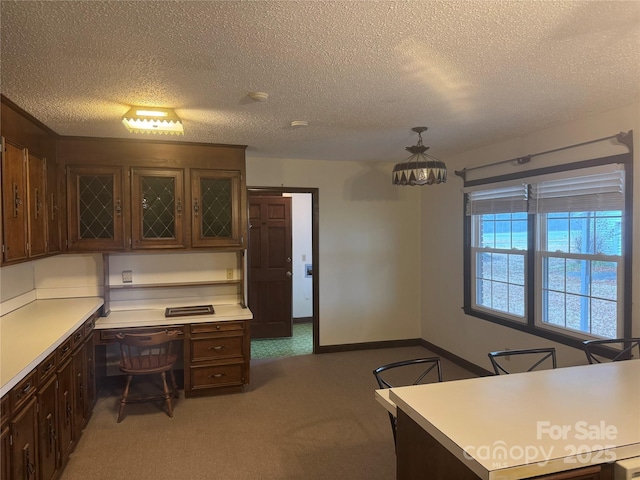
(282,277)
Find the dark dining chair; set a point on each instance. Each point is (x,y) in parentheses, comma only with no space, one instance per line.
(618,349)
(147,354)
(535,358)
(402,373)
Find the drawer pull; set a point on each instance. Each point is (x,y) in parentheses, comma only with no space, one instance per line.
(218,375)
(66,349)
(217,327)
(77,336)
(48,367)
(217,347)
(23,391)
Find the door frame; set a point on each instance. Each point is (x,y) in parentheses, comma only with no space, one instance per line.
(315,256)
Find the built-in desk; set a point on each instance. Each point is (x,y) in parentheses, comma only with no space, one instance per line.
(520,425)
(217,347)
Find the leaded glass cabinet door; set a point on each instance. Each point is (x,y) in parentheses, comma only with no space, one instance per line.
(157,197)
(95,218)
(215,204)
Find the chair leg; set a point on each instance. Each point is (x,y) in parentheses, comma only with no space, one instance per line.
(176,394)
(123,398)
(167,394)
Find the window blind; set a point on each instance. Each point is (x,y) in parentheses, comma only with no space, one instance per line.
(508,199)
(603,191)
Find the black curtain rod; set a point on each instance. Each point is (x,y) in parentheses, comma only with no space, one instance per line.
(622,137)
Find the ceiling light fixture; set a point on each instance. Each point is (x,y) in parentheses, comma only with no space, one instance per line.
(259,96)
(420,168)
(163,121)
(299,123)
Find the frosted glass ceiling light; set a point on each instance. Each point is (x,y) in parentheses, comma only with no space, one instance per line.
(420,168)
(162,121)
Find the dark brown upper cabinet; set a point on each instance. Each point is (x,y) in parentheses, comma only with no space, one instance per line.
(216,218)
(14,202)
(157,208)
(95,208)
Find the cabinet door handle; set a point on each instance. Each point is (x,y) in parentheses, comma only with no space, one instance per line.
(179,207)
(23,391)
(52,432)
(17,201)
(217,347)
(118,208)
(38,202)
(218,375)
(54,207)
(196,207)
(30,468)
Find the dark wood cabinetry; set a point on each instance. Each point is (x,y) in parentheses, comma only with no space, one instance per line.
(14,202)
(95,215)
(215,208)
(157,208)
(43,415)
(30,221)
(24,435)
(159,195)
(48,429)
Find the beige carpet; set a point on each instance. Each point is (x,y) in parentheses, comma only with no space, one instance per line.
(306,417)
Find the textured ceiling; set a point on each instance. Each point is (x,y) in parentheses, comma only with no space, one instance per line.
(361,73)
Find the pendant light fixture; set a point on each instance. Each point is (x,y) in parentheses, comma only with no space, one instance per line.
(420,168)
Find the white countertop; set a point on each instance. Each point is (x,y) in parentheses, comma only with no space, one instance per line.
(155,317)
(30,333)
(546,421)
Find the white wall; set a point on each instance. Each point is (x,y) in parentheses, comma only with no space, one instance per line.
(301,220)
(368,247)
(443,321)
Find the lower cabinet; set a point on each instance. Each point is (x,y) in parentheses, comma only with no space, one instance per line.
(24,438)
(43,415)
(218,357)
(48,429)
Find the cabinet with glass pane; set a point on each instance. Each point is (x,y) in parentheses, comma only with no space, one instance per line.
(95,210)
(215,208)
(157,208)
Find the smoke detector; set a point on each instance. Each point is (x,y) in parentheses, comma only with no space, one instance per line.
(299,123)
(259,96)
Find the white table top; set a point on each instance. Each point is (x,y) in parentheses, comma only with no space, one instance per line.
(30,333)
(523,425)
(155,317)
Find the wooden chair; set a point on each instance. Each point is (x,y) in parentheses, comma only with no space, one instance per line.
(537,355)
(620,349)
(404,370)
(146,354)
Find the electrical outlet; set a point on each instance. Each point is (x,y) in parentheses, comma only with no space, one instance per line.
(229,273)
(127,276)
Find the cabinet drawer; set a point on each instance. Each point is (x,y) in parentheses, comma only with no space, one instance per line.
(89,325)
(77,337)
(64,350)
(210,376)
(23,390)
(47,367)
(110,335)
(216,347)
(197,328)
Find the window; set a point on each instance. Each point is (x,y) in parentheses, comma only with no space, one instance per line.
(545,253)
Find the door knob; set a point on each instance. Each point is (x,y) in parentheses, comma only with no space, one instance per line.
(288,274)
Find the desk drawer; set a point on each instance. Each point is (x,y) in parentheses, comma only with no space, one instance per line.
(197,328)
(110,335)
(217,376)
(218,347)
